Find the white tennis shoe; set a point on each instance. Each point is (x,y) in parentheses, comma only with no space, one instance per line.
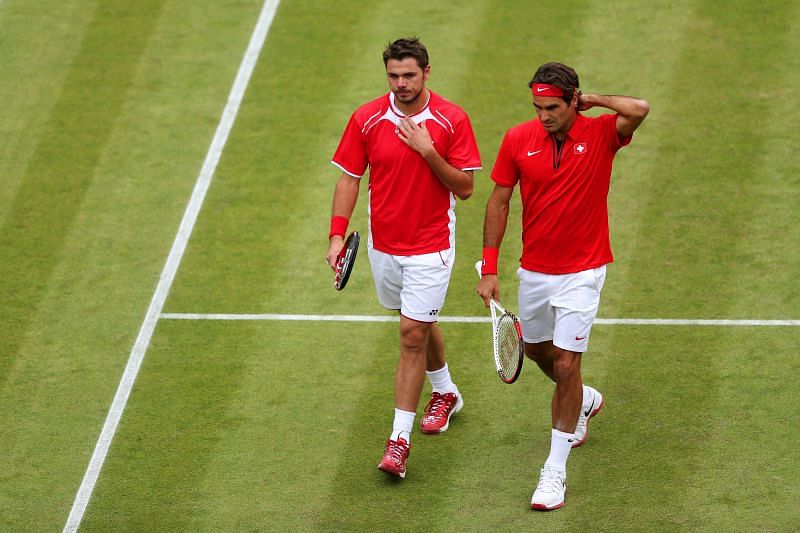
(550,491)
(593,401)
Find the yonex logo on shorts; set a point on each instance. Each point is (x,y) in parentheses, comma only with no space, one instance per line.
(434,312)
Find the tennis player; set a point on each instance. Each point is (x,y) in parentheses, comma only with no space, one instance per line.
(421,152)
(562,161)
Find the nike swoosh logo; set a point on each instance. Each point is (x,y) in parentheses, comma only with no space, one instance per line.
(591,407)
(579,338)
(541,89)
(533,153)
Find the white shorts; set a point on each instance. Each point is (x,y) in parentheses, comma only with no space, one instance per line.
(415,284)
(561,308)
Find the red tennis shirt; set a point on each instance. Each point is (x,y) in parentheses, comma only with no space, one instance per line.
(564,192)
(410,211)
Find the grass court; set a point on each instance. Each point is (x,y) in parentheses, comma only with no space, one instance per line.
(109,109)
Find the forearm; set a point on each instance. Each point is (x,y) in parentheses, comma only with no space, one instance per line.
(345,196)
(627,106)
(344,201)
(631,111)
(495,221)
(494,228)
(460,182)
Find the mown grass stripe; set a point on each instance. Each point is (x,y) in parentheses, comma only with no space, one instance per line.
(173,261)
(685,256)
(64,163)
(756,274)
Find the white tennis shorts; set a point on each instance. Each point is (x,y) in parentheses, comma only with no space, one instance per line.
(414,284)
(561,308)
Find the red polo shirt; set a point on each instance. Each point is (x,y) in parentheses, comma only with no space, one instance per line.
(410,211)
(564,192)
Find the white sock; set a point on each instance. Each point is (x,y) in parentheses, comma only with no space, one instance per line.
(441,381)
(560,446)
(403,423)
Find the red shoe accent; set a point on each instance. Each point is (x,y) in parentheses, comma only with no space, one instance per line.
(439,410)
(394,458)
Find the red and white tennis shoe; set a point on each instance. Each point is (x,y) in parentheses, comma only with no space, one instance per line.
(394,458)
(439,410)
(593,401)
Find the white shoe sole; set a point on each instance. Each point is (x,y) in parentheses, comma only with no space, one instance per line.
(543,507)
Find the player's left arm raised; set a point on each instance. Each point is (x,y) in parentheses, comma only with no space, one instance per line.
(631,111)
(461,182)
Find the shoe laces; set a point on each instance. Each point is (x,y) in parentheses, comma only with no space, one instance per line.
(550,481)
(438,405)
(396,450)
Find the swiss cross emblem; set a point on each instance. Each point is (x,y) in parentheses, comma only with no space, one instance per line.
(580,148)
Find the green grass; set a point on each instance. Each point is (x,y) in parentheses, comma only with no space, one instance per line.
(108,110)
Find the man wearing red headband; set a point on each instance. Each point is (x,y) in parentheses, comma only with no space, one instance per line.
(562,161)
(421,152)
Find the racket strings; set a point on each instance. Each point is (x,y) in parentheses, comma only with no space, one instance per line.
(508,344)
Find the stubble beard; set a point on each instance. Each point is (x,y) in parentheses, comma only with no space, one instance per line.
(410,99)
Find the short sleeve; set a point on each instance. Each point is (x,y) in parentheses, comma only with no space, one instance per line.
(351,155)
(505,171)
(463,151)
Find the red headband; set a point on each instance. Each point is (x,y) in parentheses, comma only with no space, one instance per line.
(544,89)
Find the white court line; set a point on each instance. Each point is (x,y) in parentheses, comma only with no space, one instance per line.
(173,261)
(473,319)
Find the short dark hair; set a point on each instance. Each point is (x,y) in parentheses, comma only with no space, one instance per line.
(559,75)
(406,47)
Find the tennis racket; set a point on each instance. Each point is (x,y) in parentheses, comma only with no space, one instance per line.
(345,261)
(506,339)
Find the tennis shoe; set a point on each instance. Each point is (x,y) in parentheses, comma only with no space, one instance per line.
(592,403)
(550,491)
(439,410)
(394,458)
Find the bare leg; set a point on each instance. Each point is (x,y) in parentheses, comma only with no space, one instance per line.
(542,355)
(568,396)
(410,375)
(435,355)
(564,368)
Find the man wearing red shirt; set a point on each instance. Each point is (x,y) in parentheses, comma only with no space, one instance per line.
(562,162)
(420,151)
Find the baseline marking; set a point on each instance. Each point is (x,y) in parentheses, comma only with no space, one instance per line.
(475,319)
(173,261)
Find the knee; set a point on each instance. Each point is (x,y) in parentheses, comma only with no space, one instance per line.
(540,353)
(566,364)
(414,336)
